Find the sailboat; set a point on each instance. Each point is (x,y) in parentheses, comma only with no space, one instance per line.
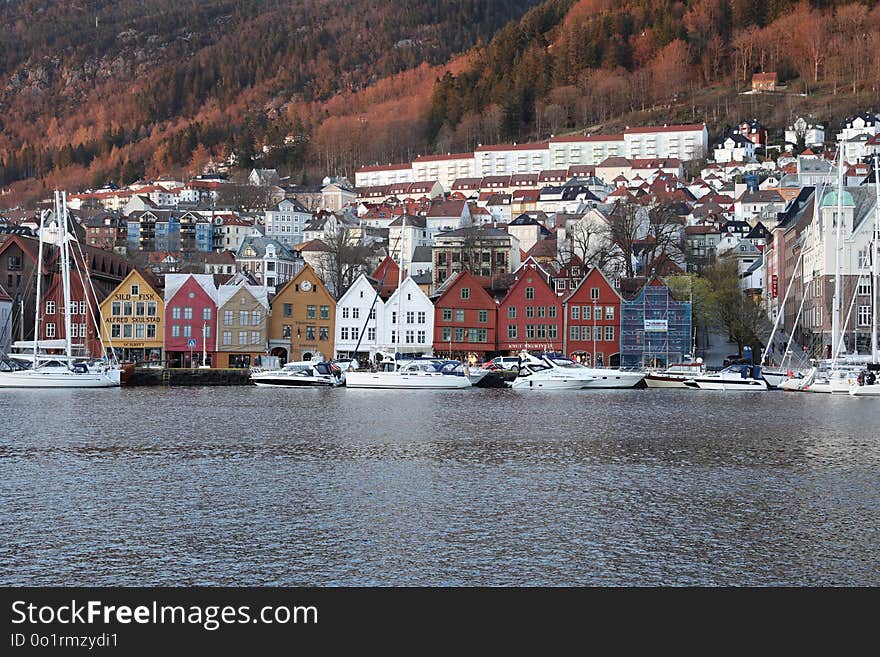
(868,381)
(38,368)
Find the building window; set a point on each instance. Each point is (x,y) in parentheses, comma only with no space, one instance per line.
(50,308)
(511,331)
(459,335)
(609,312)
(511,312)
(82,307)
(447,314)
(530,311)
(540,311)
(410,336)
(152,309)
(135,290)
(126,309)
(288,309)
(140,309)
(609,333)
(551,312)
(465,293)
(597,333)
(115,308)
(244,318)
(74,330)
(311,312)
(175,331)
(410,317)
(115,331)
(345,313)
(324,333)
(151,330)
(446,334)
(530,293)
(355,313)
(575,312)
(574,332)
(256,318)
(343,333)
(206,314)
(371,334)
(594,293)
(560,284)
(227,318)
(530,331)
(140,330)
(325,312)
(127,331)
(864,315)
(459,315)
(285,331)
(187,312)
(864,288)
(187,331)
(422,317)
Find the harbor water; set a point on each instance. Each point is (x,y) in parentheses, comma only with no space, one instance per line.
(277,486)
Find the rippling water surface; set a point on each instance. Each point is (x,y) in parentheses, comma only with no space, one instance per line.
(264,486)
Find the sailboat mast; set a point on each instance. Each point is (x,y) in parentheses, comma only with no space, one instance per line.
(875,267)
(65,275)
(400,282)
(38,314)
(835,310)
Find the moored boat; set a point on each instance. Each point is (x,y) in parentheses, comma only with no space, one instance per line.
(675,375)
(417,374)
(300,374)
(735,377)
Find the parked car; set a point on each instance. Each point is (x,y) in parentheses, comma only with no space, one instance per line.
(506,362)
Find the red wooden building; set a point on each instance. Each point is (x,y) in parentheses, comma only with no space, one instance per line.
(190,314)
(592,319)
(530,315)
(465,318)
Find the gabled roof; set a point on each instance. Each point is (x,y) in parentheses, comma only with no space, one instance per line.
(259,292)
(173,283)
(589,276)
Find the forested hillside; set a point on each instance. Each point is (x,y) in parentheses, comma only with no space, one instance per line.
(96,91)
(119,88)
(577,64)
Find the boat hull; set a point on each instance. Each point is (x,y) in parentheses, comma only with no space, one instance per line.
(745,385)
(292,382)
(556,383)
(31,379)
(866,391)
(401,381)
(665,381)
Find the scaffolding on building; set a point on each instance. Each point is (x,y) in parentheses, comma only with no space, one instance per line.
(655,329)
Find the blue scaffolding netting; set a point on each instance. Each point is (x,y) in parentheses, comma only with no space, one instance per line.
(655,329)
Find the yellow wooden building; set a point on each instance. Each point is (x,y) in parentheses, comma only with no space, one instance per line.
(131,319)
(303,319)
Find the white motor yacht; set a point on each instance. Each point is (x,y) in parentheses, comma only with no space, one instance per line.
(417,374)
(547,376)
(735,377)
(594,377)
(300,374)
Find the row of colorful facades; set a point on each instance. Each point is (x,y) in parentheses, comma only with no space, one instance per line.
(190,319)
(236,324)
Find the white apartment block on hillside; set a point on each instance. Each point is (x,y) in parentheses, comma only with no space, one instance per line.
(682,142)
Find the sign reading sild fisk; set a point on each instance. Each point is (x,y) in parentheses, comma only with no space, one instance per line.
(658,325)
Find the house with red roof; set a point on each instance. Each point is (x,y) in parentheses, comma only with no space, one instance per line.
(530,314)
(592,318)
(465,318)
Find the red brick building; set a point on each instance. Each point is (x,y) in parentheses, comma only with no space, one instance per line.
(530,315)
(465,318)
(592,320)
